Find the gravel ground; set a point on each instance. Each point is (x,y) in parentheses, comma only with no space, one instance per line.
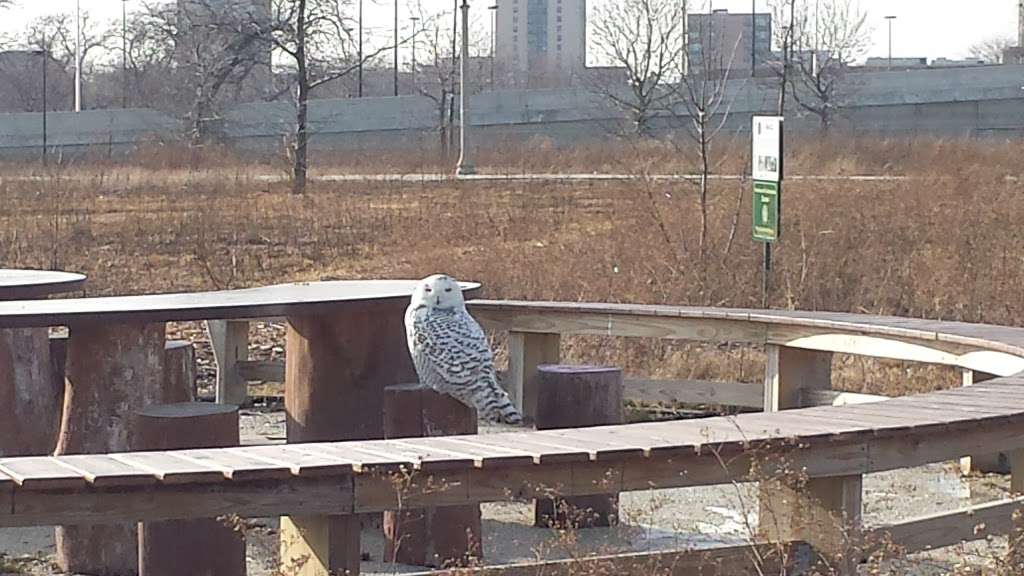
(652,520)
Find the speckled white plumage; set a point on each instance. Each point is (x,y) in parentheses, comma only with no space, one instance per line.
(451,351)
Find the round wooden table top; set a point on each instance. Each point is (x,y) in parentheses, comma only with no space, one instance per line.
(248,303)
(27,284)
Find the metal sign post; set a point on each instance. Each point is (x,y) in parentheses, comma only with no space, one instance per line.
(767,171)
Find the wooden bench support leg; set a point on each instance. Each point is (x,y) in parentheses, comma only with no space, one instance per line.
(30,397)
(995,462)
(112,371)
(576,397)
(440,537)
(338,367)
(527,351)
(791,371)
(823,512)
(230,342)
(320,545)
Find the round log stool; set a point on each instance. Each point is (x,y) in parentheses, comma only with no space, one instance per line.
(204,547)
(438,537)
(577,397)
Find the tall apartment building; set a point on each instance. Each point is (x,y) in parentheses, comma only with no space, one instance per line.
(744,40)
(541,43)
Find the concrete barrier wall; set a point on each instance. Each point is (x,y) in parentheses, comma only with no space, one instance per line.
(971,102)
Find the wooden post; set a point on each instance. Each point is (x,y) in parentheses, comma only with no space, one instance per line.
(179,372)
(527,351)
(438,537)
(791,371)
(824,512)
(338,366)
(113,370)
(577,397)
(30,397)
(203,546)
(995,462)
(230,342)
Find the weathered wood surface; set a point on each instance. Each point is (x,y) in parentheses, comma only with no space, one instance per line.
(23,284)
(281,300)
(993,349)
(358,476)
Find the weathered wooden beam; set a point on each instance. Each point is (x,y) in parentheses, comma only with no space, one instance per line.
(947,528)
(526,351)
(990,462)
(230,342)
(750,560)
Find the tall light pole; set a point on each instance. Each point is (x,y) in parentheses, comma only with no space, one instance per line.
(124,53)
(466,157)
(43,54)
(753,38)
(494,37)
(415,20)
(396,47)
(78,56)
(890,19)
(360,63)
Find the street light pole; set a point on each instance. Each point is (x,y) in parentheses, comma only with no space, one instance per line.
(78,56)
(396,47)
(466,158)
(415,20)
(360,63)
(753,38)
(890,19)
(42,54)
(494,38)
(124,53)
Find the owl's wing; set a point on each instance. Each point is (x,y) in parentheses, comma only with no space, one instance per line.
(451,349)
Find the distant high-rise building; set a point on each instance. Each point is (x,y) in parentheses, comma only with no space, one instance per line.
(736,41)
(541,43)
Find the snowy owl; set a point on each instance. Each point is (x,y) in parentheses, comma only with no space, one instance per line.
(451,352)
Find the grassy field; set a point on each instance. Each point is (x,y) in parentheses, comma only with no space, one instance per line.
(945,244)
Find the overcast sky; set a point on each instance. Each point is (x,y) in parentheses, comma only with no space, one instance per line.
(931,28)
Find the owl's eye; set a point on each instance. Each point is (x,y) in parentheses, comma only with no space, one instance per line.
(447,289)
(428,289)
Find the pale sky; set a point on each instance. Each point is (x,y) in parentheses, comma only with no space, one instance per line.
(931,28)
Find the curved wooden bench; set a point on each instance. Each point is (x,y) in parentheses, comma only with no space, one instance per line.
(832,447)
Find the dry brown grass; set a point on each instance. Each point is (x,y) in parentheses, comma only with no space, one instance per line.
(946,244)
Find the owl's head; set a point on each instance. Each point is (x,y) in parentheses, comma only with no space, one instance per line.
(438,292)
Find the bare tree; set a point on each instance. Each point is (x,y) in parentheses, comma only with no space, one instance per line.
(645,43)
(54,34)
(704,94)
(824,44)
(991,50)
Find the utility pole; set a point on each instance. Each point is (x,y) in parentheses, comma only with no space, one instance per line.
(494,37)
(43,54)
(890,19)
(360,63)
(466,158)
(396,47)
(753,38)
(415,20)
(78,56)
(124,54)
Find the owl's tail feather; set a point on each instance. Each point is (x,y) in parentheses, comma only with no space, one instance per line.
(498,408)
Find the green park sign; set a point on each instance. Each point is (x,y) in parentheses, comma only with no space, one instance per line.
(766,156)
(766,211)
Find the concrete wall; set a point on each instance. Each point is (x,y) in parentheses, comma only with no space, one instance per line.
(970,102)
